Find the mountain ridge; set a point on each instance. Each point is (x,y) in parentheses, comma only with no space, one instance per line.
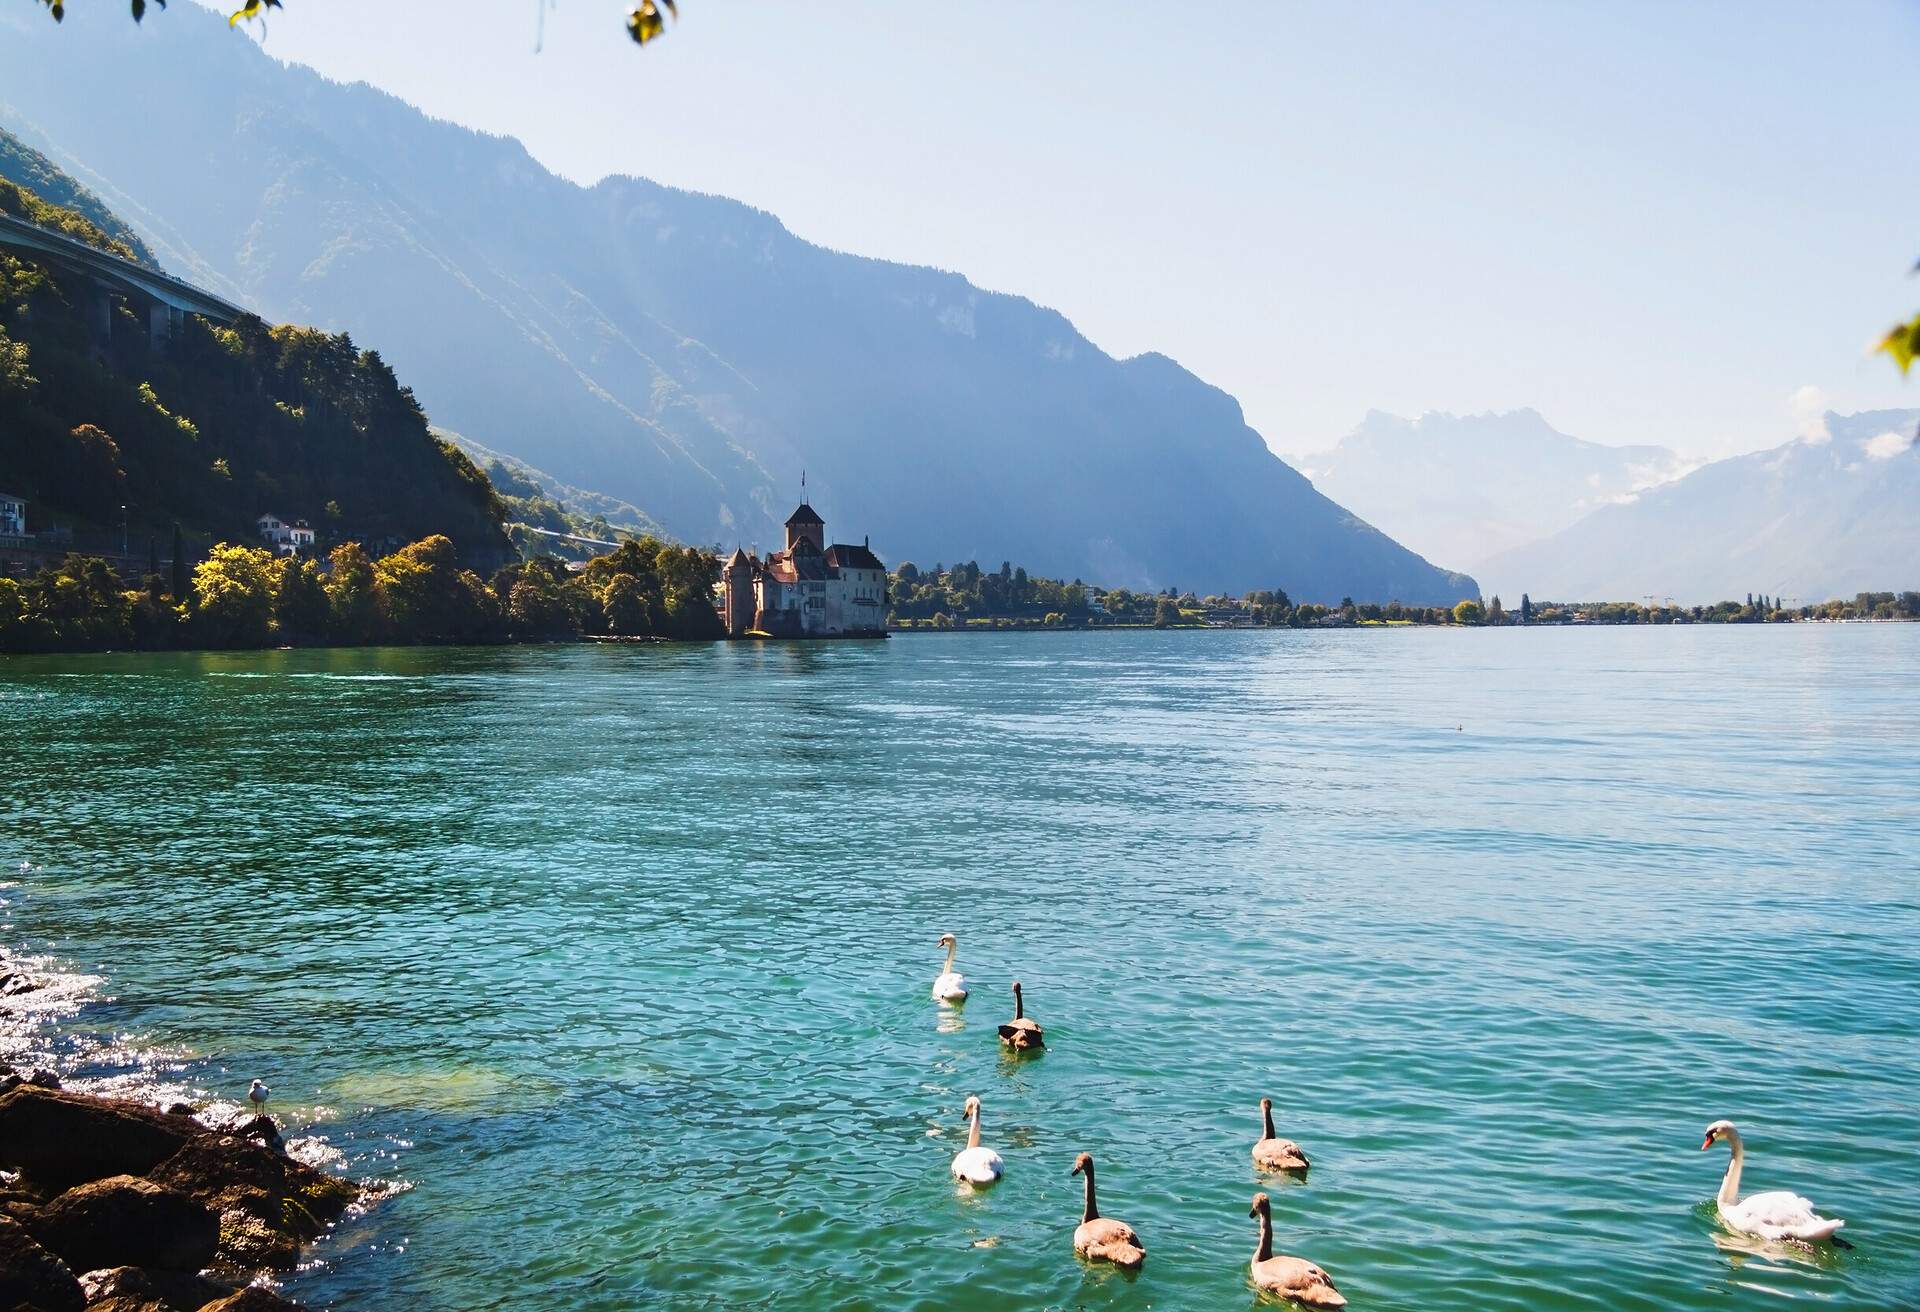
(680,351)
(1805,520)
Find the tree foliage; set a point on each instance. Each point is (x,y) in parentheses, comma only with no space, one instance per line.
(244,597)
(646,19)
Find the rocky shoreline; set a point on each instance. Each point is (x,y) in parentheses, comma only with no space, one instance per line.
(114,1205)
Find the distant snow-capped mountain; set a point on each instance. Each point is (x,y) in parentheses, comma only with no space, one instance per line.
(1465,487)
(1821,517)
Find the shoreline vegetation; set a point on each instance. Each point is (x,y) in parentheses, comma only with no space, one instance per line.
(647,590)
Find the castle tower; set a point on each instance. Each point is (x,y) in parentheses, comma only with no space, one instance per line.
(737,574)
(803,523)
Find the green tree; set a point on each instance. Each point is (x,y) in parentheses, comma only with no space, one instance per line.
(625,608)
(1496,614)
(302,611)
(234,590)
(1467,612)
(1166,612)
(353,600)
(429,598)
(1526,609)
(539,606)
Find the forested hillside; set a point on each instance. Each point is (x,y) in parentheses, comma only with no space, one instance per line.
(219,426)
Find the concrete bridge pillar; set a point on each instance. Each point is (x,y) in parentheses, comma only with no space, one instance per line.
(100,315)
(163,321)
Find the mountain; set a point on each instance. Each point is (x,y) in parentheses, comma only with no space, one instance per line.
(680,352)
(1807,521)
(34,173)
(1465,487)
(214,427)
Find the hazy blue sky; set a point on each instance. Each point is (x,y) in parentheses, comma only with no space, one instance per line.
(1651,221)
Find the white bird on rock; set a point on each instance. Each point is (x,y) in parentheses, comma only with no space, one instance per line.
(257,1094)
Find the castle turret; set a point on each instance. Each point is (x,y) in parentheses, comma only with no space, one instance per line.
(737,575)
(803,523)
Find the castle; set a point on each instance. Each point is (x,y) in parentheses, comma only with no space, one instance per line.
(810,590)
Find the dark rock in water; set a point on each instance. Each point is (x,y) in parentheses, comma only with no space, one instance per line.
(58,1139)
(124,1221)
(253,1299)
(182,1109)
(264,1129)
(31,1277)
(9,1079)
(12,984)
(133,1286)
(44,1079)
(268,1204)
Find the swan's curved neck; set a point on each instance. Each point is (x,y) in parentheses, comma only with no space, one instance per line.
(951,948)
(1019,1007)
(1089,1212)
(973,1129)
(1730,1187)
(1265,1249)
(1266,1122)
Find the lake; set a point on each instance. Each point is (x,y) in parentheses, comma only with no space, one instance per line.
(617,959)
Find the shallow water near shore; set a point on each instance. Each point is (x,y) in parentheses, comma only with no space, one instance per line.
(620,956)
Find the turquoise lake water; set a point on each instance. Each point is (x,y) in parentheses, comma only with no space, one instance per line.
(619,958)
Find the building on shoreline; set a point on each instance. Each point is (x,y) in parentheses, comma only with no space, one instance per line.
(809,590)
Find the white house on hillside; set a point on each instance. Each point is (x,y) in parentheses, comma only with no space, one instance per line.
(13,515)
(290,537)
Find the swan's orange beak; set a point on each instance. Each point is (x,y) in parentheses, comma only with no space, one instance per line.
(1708,1144)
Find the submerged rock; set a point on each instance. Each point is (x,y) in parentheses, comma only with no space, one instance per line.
(44,1079)
(125,1221)
(268,1204)
(252,1299)
(58,1139)
(31,1277)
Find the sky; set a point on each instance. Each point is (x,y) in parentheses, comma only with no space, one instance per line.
(1681,224)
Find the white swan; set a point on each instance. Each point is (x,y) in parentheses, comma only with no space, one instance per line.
(1777,1215)
(950,985)
(975,1164)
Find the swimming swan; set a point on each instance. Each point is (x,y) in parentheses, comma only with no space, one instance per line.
(950,985)
(1022,1033)
(1101,1238)
(1777,1215)
(1289,1277)
(975,1164)
(1274,1154)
